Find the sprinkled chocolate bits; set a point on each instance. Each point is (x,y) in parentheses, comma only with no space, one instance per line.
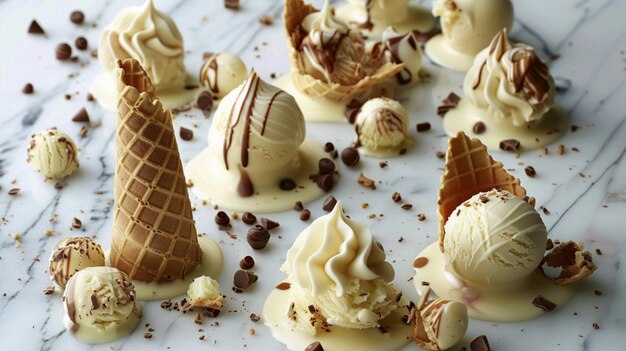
(530,171)
(449,103)
(326,166)
(510,145)
(396,197)
(329,203)
(269,224)
(366,182)
(266,20)
(350,156)
(231,4)
(258,237)
(28,89)
(422,127)
(242,280)
(63,52)
(543,303)
(186,134)
(283,286)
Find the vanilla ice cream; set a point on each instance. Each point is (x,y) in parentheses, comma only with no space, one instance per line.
(53,154)
(403,48)
(510,81)
(150,37)
(72,255)
(205,292)
(222,72)
(494,238)
(100,306)
(338,273)
(382,124)
(445,322)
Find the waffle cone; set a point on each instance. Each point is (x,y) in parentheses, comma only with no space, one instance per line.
(470,170)
(295,12)
(154,234)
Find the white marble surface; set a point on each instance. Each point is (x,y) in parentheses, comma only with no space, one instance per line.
(585,191)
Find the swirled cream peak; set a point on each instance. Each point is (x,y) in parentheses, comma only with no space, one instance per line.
(150,37)
(334,251)
(323,20)
(510,81)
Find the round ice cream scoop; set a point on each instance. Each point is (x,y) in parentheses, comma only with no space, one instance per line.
(53,154)
(205,292)
(494,238)
(72,255)
(382,124)
(222,72)
(100,305)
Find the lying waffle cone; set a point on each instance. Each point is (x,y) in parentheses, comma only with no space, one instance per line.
(154,234)
(295,12)
(470,170)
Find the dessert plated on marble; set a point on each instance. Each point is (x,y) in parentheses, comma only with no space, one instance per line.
(467,27)
(258,158)
(491,254)
(330,63)
(372,17)
(509,101)
(152,38)
(381,128)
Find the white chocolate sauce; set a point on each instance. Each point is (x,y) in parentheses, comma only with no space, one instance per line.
(313,109)
(416,18)
(492,304)
(275,318)
(440,52)
(541,133)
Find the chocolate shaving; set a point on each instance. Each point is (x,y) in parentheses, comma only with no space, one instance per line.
(420,262)
(366,182)
(510,145)
(266,20)
(575,263)
(543,303)
(283,286)
(448,103)
(422,127)
(329,203)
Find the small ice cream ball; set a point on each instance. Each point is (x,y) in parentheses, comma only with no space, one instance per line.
(403,48)
(72,255)
(445,322)
(469,25)
(100,300)
(494,238)
(205,292)
(382,123)
(53,154)
(222,72)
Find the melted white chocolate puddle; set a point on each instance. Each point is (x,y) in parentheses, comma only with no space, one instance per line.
(313,109)
(543,132)
(275,318)
(440,52)
(492,304)
(91,335)
(417,18)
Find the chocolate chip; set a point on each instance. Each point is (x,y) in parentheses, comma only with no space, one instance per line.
(81,116)
(35,28)
(222,219)
(328,147)
(204,101)
(406,207)
(266,20)
(231,4)
(248,218)
(269,224)
(326,166)
(325,182)
(14,191)
(422,127)
(509,145)
(305,215)
(543,303)
(329,203)
(480,344)
(254,318)
(479,128)
(90,97)
(350,156)
(440,154)
(283,286)
(63,52)
(77,17)
(366,182)
(186,134)
(287,184)
(76,223)
(298,206)
(420,262)
(258,237)
(81,43)
(242,280)
(448,103)
(530,171)
(314,346)
(28,89)
(396,197)
(246,263)
(421,217)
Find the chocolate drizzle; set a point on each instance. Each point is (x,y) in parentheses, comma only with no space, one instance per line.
(393,47)
(323,47)
(367,25)
(267,112)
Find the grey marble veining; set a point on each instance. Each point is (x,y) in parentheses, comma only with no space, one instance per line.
(584,190)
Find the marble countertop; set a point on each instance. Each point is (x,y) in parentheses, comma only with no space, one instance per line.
(584,189)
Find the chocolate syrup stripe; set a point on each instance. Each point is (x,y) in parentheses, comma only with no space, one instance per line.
(267,112)
(393,46)
(326,55)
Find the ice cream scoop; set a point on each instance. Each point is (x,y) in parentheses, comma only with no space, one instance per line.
(403,49)
(510,81)
(222,72)
(339,274)
(53,154)
(382,127)
(205,292)
(72,255)
(441,323)
(100,306)
(494,238)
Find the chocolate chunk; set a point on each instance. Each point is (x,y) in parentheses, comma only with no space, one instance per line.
(329,203)
(35,28)
(325,182)
(77,17)
(14,191)
(298,206)
(510,145)
(287,184)
(530,171)
(383,164)
(326,166)
(283,286)
(248,218)
(258,237)
(222,219)
(254,317)
(63,52)
(421,217)
(543,303)
(406,207)
(422,127)
(420,262)
(328,147)
(204,101)
(186,134)
(449,103)
(76,223)
(479,128)
(28,89)
(266,20)
(366,182)
(90,97)
(81,116)
(314,346)
(350,156)
(305,215)
(480,344)
(242,280)
(81,43)
(440,154)
(246,263)
(396,197)
(231,4)
(95,303)
(269,224)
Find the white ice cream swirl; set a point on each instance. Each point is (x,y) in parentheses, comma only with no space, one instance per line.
(149,36)
(510,81)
